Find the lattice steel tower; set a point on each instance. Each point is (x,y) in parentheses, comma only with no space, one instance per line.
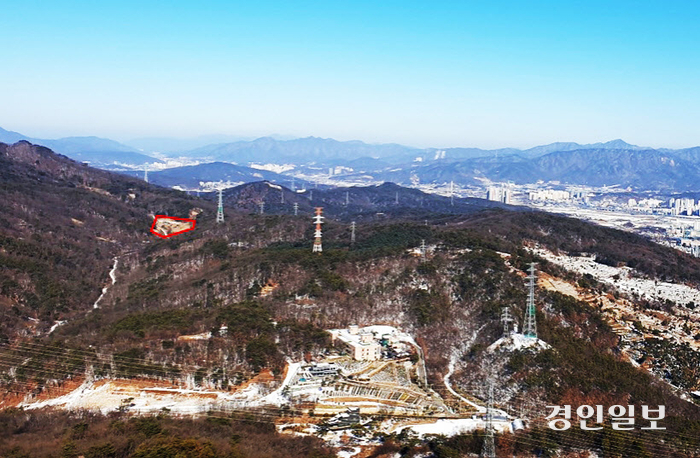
(352,233)
(318,220)
(506,319)
(488,450)
(220,210)
(296,209)
(530,325)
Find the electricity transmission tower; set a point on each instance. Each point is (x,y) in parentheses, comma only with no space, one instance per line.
(530,325)
(296,209)
(261,205)
(318,220)
(220,210)
(397,197)
(488,450)
(352,233)
(423,251)
(145,173)
(506,319)
(347,198)
(452,193)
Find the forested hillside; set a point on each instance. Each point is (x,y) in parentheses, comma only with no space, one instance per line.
(253,295)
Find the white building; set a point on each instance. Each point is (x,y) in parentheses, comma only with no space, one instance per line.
(499,194)
(362,346)
(550,194)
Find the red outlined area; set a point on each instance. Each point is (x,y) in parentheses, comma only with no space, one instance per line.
(169,223)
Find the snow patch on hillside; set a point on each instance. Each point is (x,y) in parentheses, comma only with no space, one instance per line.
(514,342)
(277,168)
(624,279)
(453,427)
(113,277)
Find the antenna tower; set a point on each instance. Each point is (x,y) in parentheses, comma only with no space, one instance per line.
(506,319)
(296,209)
(352,233)
(261,205)
(220,210)
(318,220)
(488,450)
(530,326)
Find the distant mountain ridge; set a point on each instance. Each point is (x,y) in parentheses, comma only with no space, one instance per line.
(97,151)
(615,162)
(361,203)
(330,150)
(190,176)
(637,168)
(268,149)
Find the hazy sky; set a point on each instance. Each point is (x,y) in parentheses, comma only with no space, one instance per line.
(431,73)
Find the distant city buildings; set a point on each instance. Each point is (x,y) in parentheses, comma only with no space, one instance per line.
(499,194)
(684,206)
(644,203)
(549,194)
(339,170)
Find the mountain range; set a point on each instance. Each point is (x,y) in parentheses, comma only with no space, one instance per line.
(99,152)
(640,169)
(193,176)
(611,163)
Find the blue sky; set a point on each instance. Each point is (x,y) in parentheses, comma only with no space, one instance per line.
(487,74)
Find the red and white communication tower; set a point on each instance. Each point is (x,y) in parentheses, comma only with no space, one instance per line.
(318,220)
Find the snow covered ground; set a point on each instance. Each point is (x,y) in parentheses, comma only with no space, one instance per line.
(113,277)
(625,279)
(515,342)
(276,397)
(452,427)
(451,369)
(57,324)
(150,397)
(111,395)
